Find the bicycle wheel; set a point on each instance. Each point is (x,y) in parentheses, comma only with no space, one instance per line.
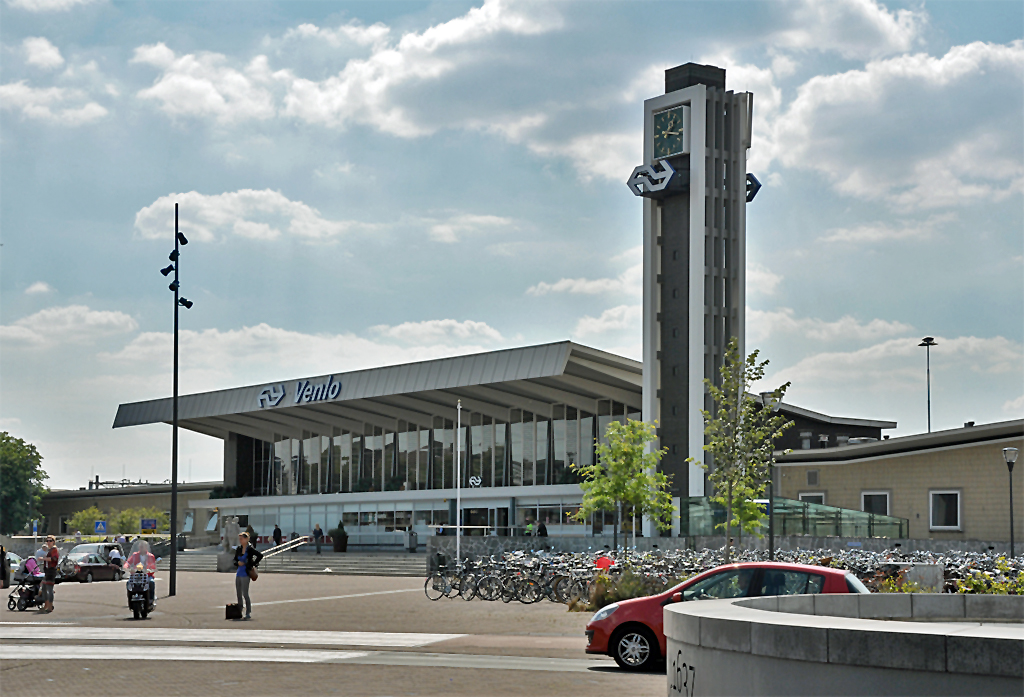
(578,591)
(489,588)
(467,587)
(560,589)
(434,586)
(528,591)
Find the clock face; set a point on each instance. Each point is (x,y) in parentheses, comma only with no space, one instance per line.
(668,132)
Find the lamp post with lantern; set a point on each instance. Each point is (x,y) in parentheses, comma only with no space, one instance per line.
(1010,455)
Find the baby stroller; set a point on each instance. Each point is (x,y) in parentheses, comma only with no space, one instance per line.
(26,594)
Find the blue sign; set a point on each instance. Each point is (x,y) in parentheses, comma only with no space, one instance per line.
(148,524)
(35,527)
(100,527)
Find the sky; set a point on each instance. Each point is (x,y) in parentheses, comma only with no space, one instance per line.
(372,183)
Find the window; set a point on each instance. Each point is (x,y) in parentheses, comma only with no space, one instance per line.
(790,583)
(876,502)
(212,525)
(805,440)
(187,526)
(812,477)
(728,584)
(945,509)
(817,497)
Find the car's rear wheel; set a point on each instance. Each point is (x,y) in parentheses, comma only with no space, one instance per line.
(635,648)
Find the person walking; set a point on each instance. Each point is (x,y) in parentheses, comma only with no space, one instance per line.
(52,559)
(247,558)
(542,530)
(253,537)
(78,537)
(318,537)
(277,535)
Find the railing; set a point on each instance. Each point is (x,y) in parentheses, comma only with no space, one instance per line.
(289,546)
(698,516)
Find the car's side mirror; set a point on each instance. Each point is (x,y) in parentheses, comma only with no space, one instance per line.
(677,597)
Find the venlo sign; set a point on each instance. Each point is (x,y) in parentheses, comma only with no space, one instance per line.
(305,391)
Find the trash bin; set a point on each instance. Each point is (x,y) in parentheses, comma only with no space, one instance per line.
(411,540)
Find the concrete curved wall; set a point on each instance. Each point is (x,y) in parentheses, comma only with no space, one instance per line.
(879,644)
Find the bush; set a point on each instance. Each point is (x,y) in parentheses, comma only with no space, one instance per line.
(338,533)
(627,585)
(1000,582)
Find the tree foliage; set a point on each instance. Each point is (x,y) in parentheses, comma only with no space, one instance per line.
(126,521)
(625,474)
(741,436)
(21,483)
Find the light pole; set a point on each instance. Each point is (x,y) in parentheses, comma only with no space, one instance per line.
(928,342)
(768,401)
(458,484)
(1010,455)
(187,304)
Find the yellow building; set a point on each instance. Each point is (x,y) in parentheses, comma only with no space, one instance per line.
(950,485)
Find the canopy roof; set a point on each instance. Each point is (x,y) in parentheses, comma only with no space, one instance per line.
(530,378)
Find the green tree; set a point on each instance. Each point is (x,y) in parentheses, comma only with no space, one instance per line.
(21,483)
(625,474)
(84,519)
(741,437)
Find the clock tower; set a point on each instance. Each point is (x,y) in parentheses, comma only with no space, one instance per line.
(695,188)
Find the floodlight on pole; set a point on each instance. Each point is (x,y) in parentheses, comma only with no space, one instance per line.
(175,287)
(1010,456)
(928,342)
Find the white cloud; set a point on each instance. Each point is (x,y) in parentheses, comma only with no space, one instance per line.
(38,288)
(352,32)
(1015,407)
(449,230)
(761,280)
(852,28)
(883,231)
(762,324)
(439,331)
(896,363)
(73,324)
(628,282)
(47,5)
(908,131)
(50,103)
(614,319)
(246,213)
(363,92)
(41,53)
(201,85)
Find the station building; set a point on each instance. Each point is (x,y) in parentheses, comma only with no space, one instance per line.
(376,448)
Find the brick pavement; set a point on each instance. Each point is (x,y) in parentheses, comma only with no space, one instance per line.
(494,633)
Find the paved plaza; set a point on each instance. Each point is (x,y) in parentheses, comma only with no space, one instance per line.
(352,635)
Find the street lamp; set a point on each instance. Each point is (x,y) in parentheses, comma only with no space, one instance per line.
(175,286)
(768,401)
(928,342)
(1010,455)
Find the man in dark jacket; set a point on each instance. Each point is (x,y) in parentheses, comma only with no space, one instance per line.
(277,535)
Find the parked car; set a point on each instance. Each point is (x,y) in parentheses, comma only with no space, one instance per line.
(91,567)
(632,631)
(14,563)
(100,548)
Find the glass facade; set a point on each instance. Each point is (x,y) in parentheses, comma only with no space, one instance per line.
(524,449)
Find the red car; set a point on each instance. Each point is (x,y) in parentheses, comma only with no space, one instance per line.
(632,631)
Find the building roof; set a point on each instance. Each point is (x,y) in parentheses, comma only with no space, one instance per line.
(1003,430)
(793,410)
(131,490)
(531,377)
